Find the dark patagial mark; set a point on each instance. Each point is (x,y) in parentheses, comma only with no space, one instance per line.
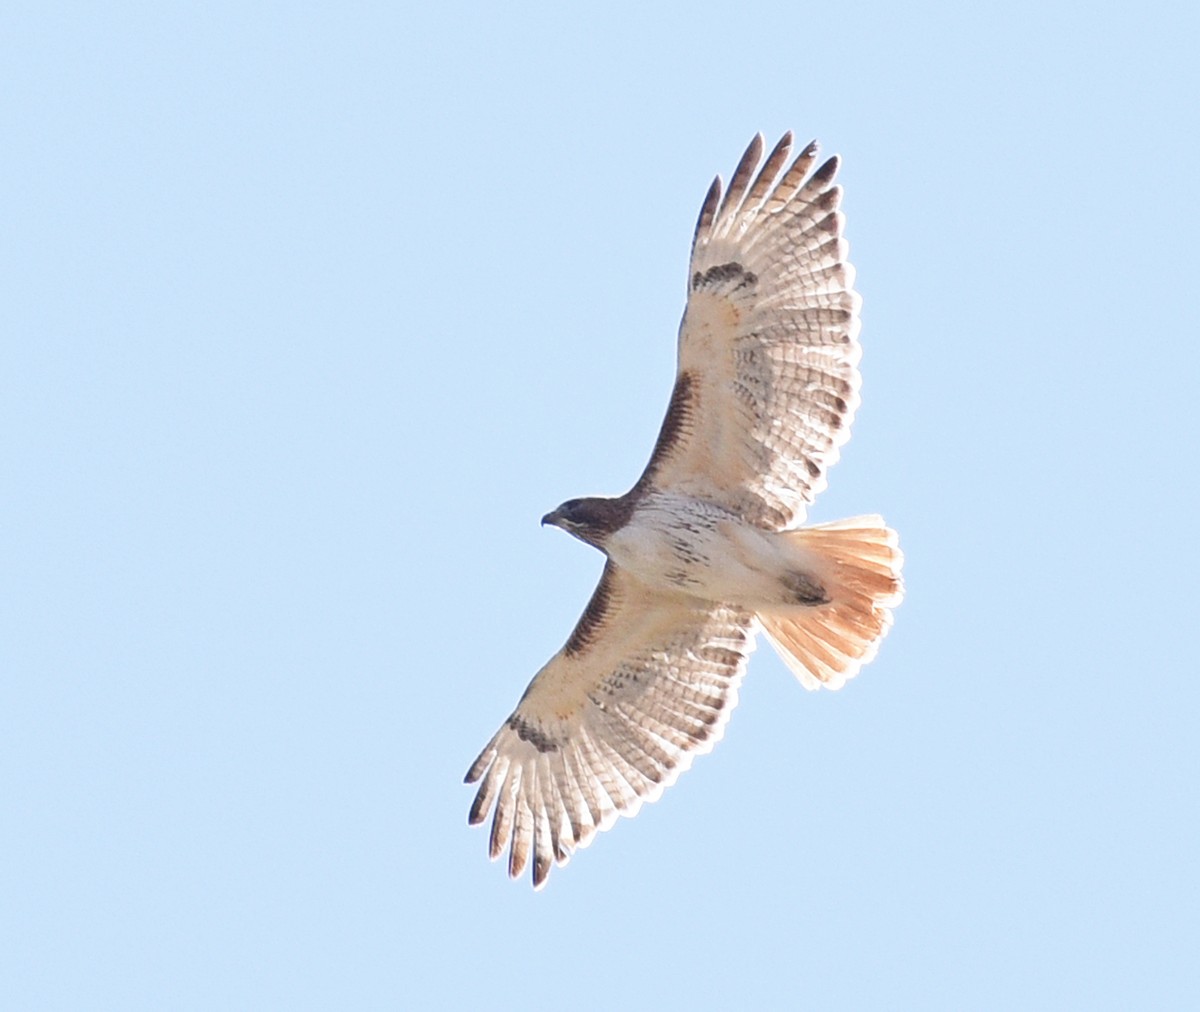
(804,589)
(593,616)
(533,734)
(722,273)
(675,424)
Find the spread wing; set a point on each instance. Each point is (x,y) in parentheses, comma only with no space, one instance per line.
(768,353)
(645,682)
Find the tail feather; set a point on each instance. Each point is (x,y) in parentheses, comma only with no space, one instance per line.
(858,562)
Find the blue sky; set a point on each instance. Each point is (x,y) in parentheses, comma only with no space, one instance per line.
(310,312)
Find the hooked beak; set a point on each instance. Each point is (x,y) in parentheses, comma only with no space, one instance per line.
(552,518)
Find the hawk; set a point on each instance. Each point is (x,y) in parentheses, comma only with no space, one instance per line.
(707,549)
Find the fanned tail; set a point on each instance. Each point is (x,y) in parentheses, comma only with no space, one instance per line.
(858,563)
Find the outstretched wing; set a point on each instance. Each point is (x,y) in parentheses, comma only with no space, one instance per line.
(645,682)
(768,353)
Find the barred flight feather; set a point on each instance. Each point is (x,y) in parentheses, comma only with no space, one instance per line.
(667,701)
(787,235)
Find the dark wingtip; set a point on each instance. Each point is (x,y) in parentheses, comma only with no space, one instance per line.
(479,809)
(481,763)
(708,210)
(740,180)
(827,170)
(781,149)
(541,871)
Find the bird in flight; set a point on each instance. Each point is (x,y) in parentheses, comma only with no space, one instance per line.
(706,549)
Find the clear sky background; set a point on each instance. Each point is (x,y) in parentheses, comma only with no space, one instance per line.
(308,313)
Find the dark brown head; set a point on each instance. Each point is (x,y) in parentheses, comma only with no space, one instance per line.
(592,519)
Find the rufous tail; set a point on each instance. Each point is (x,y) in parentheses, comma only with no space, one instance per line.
(858,562)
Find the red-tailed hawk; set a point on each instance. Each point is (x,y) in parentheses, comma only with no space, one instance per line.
(706,549)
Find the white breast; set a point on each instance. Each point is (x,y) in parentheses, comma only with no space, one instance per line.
(684,544)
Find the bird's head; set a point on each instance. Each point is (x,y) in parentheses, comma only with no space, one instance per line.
(592,519)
